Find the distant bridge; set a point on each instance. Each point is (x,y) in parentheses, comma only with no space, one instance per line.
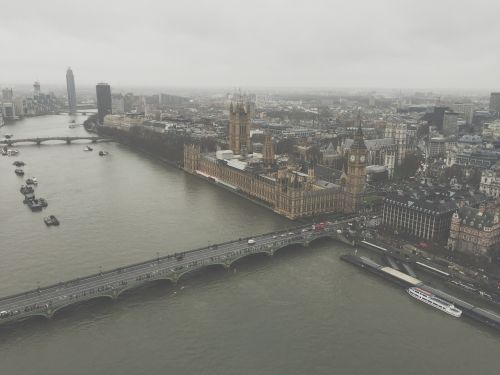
(48,300)
(40,140)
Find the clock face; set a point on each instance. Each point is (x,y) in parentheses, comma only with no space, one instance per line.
(362,159)
(352,158)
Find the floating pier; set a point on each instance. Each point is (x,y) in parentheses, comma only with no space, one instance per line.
(479,314)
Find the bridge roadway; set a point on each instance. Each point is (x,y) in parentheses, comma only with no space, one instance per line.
(48,300)
(40,140)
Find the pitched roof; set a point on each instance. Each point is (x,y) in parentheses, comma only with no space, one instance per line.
(372,144)
(359,143)
(473,217)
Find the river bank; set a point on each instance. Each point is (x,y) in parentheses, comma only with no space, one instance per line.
(301,311)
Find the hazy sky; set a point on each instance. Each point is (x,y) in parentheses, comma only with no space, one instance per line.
(315,43)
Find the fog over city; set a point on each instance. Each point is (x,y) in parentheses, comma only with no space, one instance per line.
(267,43)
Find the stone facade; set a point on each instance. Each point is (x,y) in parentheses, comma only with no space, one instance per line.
(356,174)
(268,150)
(283,188)
(399,133)
(239,128)
(425,214)
(490,183)
(475,231)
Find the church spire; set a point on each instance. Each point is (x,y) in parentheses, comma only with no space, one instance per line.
(359,142)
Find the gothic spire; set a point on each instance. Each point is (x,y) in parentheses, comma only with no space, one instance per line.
(359,142)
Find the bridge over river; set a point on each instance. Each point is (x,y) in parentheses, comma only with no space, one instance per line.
(46,301)
(40,140)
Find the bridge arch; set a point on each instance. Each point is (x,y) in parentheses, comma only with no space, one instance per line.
(36,315)
(329,236)
(78,302)
(52,140)
(192,271)
(303,243)
(146,282)
(256,254)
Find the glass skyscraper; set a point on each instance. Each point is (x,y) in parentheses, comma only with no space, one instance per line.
(70,85)
(103,92)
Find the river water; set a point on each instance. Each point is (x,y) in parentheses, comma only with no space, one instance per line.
(301,312)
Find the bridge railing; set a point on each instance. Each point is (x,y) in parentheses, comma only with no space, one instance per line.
(44,139)
(153,260)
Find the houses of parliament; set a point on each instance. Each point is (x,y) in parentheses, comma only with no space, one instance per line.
(287,188)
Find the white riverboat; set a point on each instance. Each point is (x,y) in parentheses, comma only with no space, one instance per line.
(432,300)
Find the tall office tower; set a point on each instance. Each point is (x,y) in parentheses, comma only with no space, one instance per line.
(495,102)
(36,89)
(450,123)
(466,110)
(239,128)
(104,104)
(7,95)
(70,85)
(438,116)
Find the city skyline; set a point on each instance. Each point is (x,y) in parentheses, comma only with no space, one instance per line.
(267,187)
(322,45)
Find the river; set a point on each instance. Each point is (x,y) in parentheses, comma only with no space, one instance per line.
(302,311)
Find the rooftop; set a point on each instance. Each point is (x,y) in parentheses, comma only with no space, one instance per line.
(435,200)
(476,218)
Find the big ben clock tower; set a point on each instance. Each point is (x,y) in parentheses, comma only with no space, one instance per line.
(356,174)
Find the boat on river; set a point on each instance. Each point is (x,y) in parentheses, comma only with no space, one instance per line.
(434,301)
(51,220)
(26,189)
(32,181)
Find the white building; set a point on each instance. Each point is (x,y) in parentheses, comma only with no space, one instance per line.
(399,133)
(466,110)
(450,123)
(120,121)
(117,104)
(490,183)
(492,129)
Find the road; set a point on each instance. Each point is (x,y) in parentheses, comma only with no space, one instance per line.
(47,300)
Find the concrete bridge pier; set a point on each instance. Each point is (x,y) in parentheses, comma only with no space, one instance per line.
(267,251)
(68,141)
(38,142)
(175,278)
